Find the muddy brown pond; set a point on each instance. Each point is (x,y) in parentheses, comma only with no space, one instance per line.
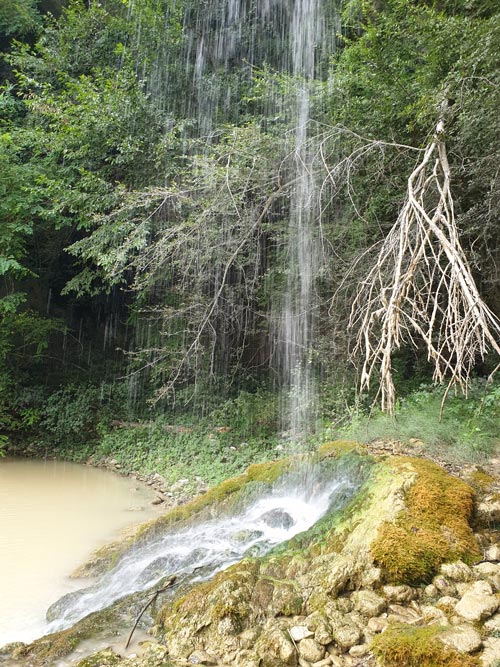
(52,516)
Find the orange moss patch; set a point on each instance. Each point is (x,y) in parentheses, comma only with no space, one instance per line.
(434,527)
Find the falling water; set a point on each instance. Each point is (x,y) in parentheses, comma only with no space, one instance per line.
(297,323)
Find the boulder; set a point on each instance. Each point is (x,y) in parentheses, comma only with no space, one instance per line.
(457,571)
(478,603)
(463,638)
(277,518)
(488,511)
(311,650)
(493,624)
(368,603)
(444,585)
(300,632)
(492,553)
(491,654)
(347,636)
(399,594)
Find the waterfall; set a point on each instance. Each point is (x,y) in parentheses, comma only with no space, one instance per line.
(297,324)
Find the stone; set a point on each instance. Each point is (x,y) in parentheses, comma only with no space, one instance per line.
(457,571)
(368,603)
(492,553)
(322,663)
(399,614)
(300,632)
(277,518)
(202,658)
(444,585)
(447,603)
(488,511)
(359,650)
(486,569)
(399,594)
(491,654)
(493,624)
(371,576)
(323,634)
(311,650)
(304,663)
(431,591)
(463,638)
(347,636)
(432,615)
(377,625)
(478,603)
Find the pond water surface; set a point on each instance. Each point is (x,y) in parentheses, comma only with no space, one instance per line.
(52,516)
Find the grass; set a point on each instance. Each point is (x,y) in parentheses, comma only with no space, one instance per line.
(468,432)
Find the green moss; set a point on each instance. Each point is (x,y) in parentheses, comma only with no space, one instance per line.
(481,481)
(338,447)
(432,529)
(409,646)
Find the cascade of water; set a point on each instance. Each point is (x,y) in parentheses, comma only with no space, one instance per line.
(292,505)
(297,321)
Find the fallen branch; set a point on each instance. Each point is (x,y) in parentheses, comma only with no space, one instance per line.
(155,595)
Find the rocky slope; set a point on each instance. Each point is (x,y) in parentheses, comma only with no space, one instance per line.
(407,574)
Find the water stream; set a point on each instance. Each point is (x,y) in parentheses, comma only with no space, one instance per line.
(196,552)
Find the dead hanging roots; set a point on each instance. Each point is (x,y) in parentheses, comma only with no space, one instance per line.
(421,288)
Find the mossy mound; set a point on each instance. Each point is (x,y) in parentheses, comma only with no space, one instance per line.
(408,646)
(433,528)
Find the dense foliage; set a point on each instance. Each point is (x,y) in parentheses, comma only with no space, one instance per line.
(147,167)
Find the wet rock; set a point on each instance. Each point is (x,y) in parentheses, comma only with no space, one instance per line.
(160,567)
(463,638)
(311,650)
(368,603)
(57,609)
(478,603)
(106,658)
(457,571)
(300,632)
(277,518)
(243,536)
(399,594)
(491,654)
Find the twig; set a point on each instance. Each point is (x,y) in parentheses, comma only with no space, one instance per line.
(169,584)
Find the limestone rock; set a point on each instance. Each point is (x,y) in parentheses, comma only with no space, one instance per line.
(463,638)
(368,603)
(376,625)
(492,553)
(486,569)
(311,650)
(488,511)
(493,624)
(444,585)
(432,615)
(457,571)
(399,614)
(359,650)
(274,645)
(347,636)
(323,663)
(300,632)
(202,658)
(446,603)
(399,594)
(478,603)
(431,591)
(491,653)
